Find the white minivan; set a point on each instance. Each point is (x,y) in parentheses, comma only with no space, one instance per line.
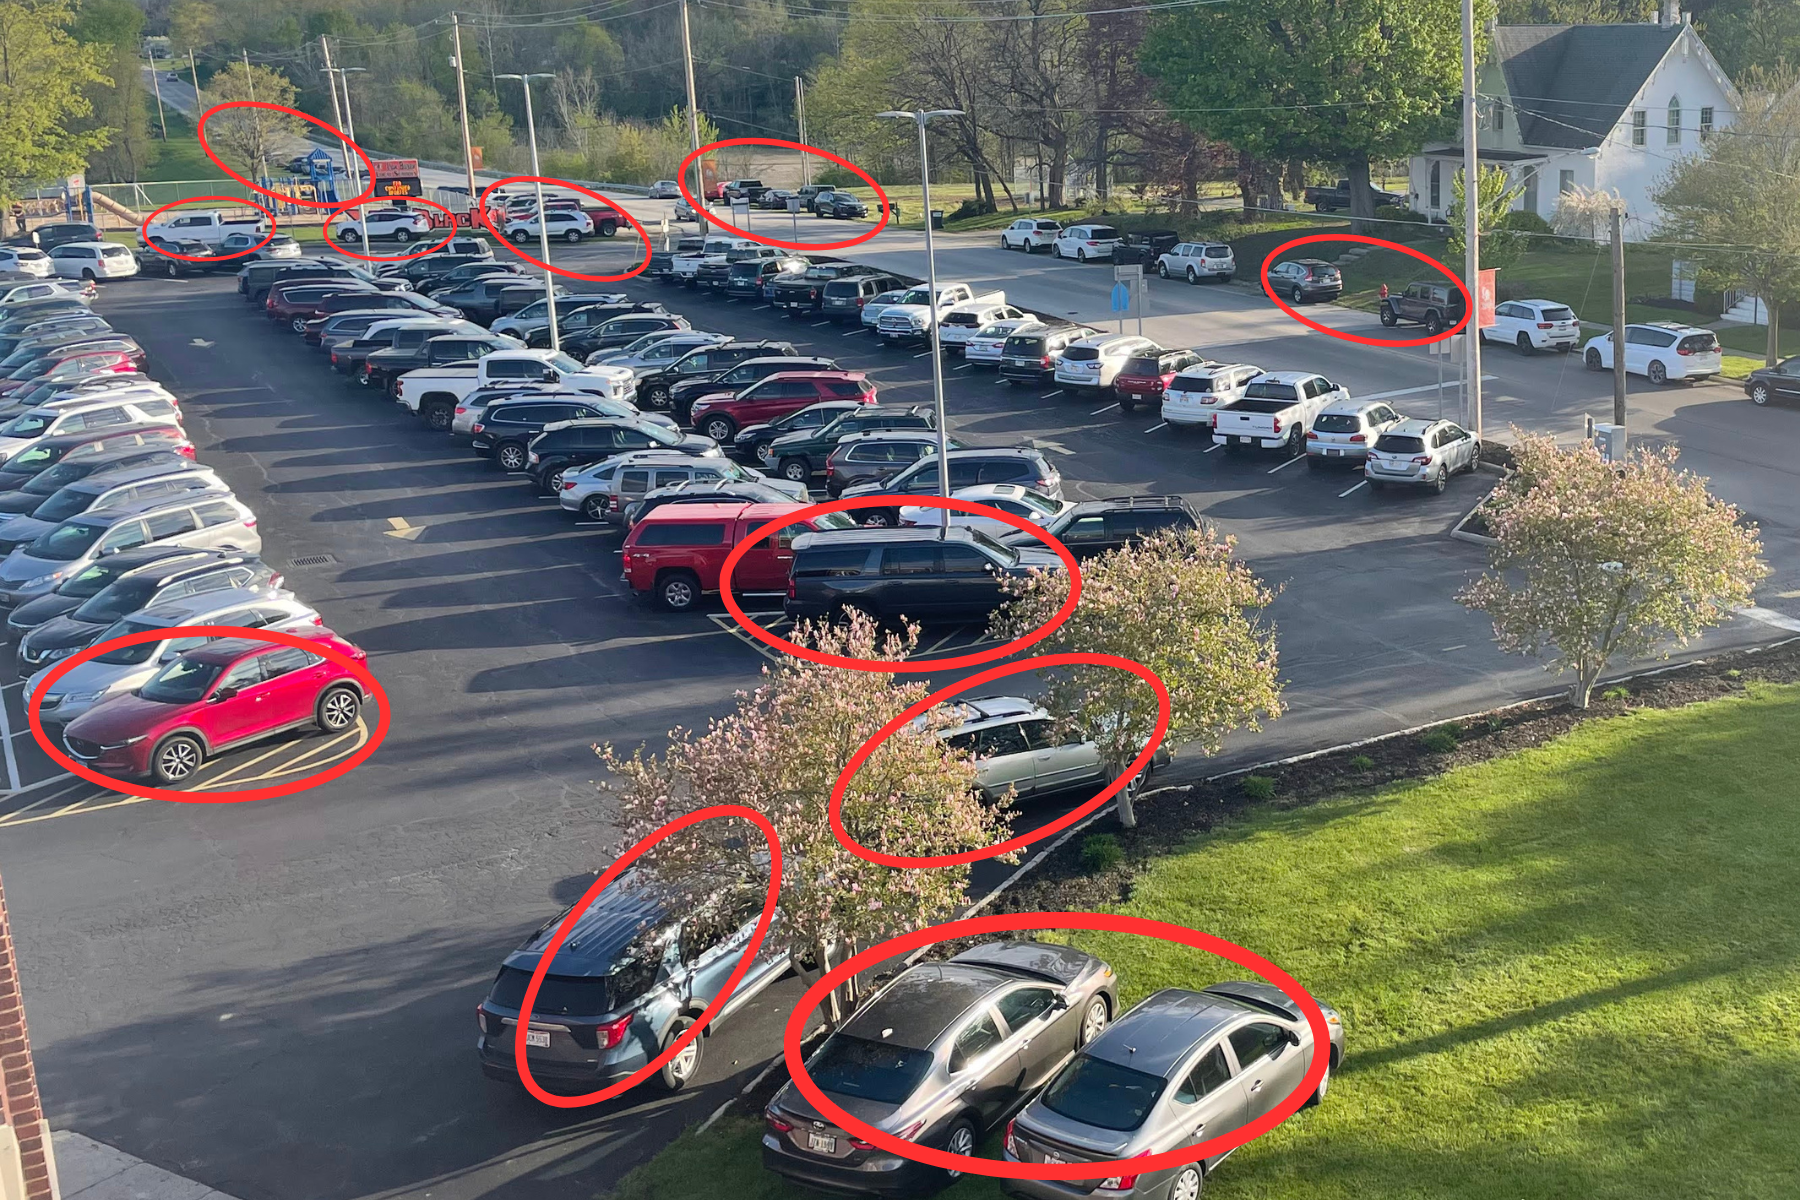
(1093,362)
(93,260)
(1084,243)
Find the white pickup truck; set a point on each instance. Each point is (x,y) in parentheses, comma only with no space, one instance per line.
(432,385)
(966,320)
(683,267)
(911,319)
(1277,409)
(211,227)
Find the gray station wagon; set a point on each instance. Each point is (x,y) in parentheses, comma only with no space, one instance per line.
(212,522)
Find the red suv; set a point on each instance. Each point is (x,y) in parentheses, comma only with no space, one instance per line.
(212,698)
(124,358)
(1144,377)
(720,415)
(676,551)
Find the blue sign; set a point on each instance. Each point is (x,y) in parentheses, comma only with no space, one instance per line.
(1121,298)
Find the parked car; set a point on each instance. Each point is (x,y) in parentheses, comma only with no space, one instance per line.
(564,446)
(1344,431)
(607,491)
(48,237)
(387,224)
(211,227)
(664,189)
(922,573)
(395,333)
(293,303)
(1534,325)
(662,262)
(798,455)
(1095,527)
(1032,355)
(758,489)
(575,313)
(912,319)
(617,331)
(508,428)
(674,553)
(715,271)
(1019,748)
(1092,363)
(1086,243)
(1144,378)
(1194,261)
(1303,279)
(987,345)
(238,248)
(1437,306)
(172,476)
(775,198)
(207,522)
(752,441)
(398,303)
(564,224)
(93,260)
(29,294)
(721,415)
(1007,497)
(492,296)
(25,260)
(438,284)
(805,293)
(1144,246)
(745,189)
(752,278)
(966,320)
(381,368)
(117,355)
(25,466)
(213,698)
(940,1055)
(879,303)
(134,579)
(1337,197)
(874,457)
(47,482)
(1779,383)
(654,351)
(102,412)
(837,205)
(998,464)
(1276,411)
(254,279)
(1180,1068)
(421,389)
(1660,351)
(1197,391)
(695,373)
(642,961)
(845,299)
(1421,453)
(425,271)
(1030,234)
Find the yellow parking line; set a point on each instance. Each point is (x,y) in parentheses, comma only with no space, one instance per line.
(215,781)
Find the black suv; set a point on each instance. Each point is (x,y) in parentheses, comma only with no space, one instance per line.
(839,205)
(924,573)
(576,319)
(749,278)
(617,330)
(48,482)
(1010,464)
(424,272)
(1144,246)
(749,441)
(872,457)
(800,455)
(506,429)
(578,443)
(1437,306)
(256,278)
(348,357)
(843,299)
(130,580)
(1094,527)
(692,374)
(803,293)
(469,272)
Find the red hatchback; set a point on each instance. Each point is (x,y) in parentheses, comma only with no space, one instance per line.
(1144,377)
(124,357)
(215,697)
(720,415)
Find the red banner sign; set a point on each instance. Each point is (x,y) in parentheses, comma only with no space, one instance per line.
(396,168)
(1484,303)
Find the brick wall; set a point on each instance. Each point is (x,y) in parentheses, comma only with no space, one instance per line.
(19,1103)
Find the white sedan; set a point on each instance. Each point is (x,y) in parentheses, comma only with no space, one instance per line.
(1534,325)
(1035,507)
(985,345)
(25,260)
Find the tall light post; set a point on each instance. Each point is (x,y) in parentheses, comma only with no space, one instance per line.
(921,118)
(543,225)
(349,128)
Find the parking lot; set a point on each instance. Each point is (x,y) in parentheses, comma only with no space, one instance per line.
(241,993)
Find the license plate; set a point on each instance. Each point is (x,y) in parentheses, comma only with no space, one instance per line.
(1136,396)
(821,1144)
(538,1037)
(1244,441)
(1334,453)
(1054,1160)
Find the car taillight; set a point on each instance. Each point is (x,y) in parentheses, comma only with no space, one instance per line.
(776,1123)
(830,469)
(399,385)
(1277,424)
(1093,243)
(791,592)
(1045,483)
(334,358)
(1121,1183)
(1312,435)
(476,427)
(1545,325)
(318,620)
(1215,420)
(1423,460)
(249,522)
(460,410)
(1682,350)
(612,502)
(612,1033)
(186,451)
(1357,437)
(1045,361)
(481,1018)
(1012,1146)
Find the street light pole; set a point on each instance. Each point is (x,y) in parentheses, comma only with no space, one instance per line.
(349,128)
(687,60)
(800,121)
(1472,220)
(156,83)
(543,224)
(937,353)
(462,107)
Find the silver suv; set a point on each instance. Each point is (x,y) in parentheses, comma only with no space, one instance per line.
(209,522)
(1343,432)
(1018,745)
(102,413)
(603,492)
(110,489)
(1421,454)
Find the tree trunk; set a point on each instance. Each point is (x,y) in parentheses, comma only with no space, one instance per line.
(1772,350)
(1101,137)
(1362,200)
(1294,177)
(1059,170)
(1190,181)
(1127,812)
(1246,182)
(1582,691)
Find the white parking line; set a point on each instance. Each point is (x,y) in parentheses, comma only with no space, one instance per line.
(923,354)
(820,324)
(1210,448)
(1157,426)
(12,761)
(1413,391)
(1769,617)
(1057,392)
(1359,486)
(762,306)
(1108,408)
(853,333)
(1284,466)
(965,366)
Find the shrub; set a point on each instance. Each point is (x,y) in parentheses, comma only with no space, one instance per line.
(1733,673)
(1393,212)
(1362,762)
(1525,222)
(970,208)
(1616,693)
(1495,724)
(1101,852)
(837,176)
(1443,740)
(1258,787)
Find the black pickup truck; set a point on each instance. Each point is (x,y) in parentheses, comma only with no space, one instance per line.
(1337,197)
(1144,245)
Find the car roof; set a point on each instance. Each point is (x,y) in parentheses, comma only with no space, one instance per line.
(870,533)
(176,464)
(162,558)
(986,710)
(1411,427)
(1667,327)
(1283,376)
(1160,1032)
(111,514)
(177,612)
(725,510)
(822,373)
(226,651)
(615,918)
(889,435)
(1106,339)
(1351,407)
(924,1002)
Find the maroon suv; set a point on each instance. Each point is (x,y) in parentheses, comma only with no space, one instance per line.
(720,415)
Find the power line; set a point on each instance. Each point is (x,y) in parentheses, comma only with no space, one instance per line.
(864,18)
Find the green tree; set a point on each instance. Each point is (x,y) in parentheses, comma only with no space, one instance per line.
(1598,561)
(1744,193)
(1500,246)
(120,103)
(1751,37)
(250,138)
(1344,80)
(44,77)
(191,25)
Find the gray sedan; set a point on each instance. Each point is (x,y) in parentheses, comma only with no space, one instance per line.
(1177,1070)
(944,1052)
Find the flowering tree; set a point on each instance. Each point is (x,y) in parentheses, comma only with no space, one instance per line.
(1180,605)
(780,753)
(252,137)
(1598,561)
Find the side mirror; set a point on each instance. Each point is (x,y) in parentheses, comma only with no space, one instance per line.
(224,693)
(1292,1038)
(1057,1005)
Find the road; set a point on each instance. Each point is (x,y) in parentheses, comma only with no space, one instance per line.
(275,999)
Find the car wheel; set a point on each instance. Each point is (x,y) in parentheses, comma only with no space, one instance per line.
(1081,257)
(1592,360)
(1759,394)
(573,236)
(1298,295)
(173,269)
(1318,1096)
(1162,271)
(337,708)
(518,237)
(1093,1021)
(1193,277)
(1441,482)
(657,396)
(176,759)
(882,518)
(402,236)
(1004,244)
(439,416)
(594,508)
(720,429)
(679,1071)
(1434,323)
(1658,373)
(1187,1185)
(678,591)
(1127,404)
(796,470)
(511,456)
(960,1141)
(1388,316)
(346,236)
(298,324)
(1525,346)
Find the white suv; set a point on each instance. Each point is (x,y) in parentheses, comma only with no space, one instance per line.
(93,260)
(569,224)
(396,224)
(1194,261)
(1093,362)
(1030,234)
(1534,325)
(1661,351)
(1193,396)
(1421,454)
(1086,242)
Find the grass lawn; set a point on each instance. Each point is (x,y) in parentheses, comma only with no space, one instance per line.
(1571,972)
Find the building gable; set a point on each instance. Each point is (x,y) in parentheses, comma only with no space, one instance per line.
(1570,85)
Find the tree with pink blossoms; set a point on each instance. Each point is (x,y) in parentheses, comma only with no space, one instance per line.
(1601,561)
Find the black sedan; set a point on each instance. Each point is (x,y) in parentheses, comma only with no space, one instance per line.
(840,205)
(1779,384)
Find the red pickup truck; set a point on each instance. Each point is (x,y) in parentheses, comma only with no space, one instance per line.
(675,553)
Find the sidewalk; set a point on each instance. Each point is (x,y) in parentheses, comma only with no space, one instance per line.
(90,1170)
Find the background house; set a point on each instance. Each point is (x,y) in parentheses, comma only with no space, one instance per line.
(1600,107)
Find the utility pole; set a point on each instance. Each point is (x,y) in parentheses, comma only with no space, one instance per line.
(462,107)
(195,72)
(156,82)
(250,86)
(340,117)
(800,117)
(542,217)
(1471,219)
(687,61)
(1618,329)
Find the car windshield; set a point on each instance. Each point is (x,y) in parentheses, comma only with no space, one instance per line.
(29,462)
(1337,423)
(66,543)
(126,656)
(558,995)
(1102,233)
(64,504)
(564,363)
(1391,443)
(91,581)
(661,433)
(1005,554)
(1036,501)
(869,1070)
(1146,365)
(34,368)
(1023,346)
(48,483)
(1270,391)
(1555,312)
(1191,383)
(183,681)
(1105,1095)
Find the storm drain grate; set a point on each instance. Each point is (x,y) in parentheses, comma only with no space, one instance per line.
(314,560)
